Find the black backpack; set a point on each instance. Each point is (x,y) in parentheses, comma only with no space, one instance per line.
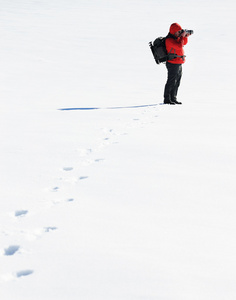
(158,48)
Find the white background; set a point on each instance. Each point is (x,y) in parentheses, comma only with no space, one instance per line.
(133,199)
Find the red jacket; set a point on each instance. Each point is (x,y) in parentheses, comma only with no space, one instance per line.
(175,45)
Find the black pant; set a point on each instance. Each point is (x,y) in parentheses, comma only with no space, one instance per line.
(173,81)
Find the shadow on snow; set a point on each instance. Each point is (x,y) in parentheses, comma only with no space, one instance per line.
(117,107)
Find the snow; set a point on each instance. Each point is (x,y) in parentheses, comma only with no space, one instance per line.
(105,192)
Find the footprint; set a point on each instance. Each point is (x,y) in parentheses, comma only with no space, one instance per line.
(55,189)
(99,159)
(83,177)
(48,229)
(37,233)
(70,200)
(24,273)
(67,169)
(20,213)
(11,250)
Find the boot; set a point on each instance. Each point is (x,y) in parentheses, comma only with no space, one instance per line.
(177,102)
(174,99)
(169,102)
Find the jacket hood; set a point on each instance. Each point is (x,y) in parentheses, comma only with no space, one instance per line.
(174,28)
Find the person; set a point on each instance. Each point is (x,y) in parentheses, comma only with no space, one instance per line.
(175,41)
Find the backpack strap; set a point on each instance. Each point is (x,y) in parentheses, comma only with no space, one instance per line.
(172,56)
(172,36)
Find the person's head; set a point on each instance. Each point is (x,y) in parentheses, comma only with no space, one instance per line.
(175,29)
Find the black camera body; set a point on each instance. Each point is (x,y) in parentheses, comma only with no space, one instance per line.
(187,31)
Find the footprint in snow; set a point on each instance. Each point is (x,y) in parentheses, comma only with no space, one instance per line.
(24,273)
(99,159)
(11,250)
(83,177)
(50,228)
(21,213)
(15,275)
(70,200)
(67,169)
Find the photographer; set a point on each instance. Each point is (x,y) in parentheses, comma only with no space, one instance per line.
(175,41)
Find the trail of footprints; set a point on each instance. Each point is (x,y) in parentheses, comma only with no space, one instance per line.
(16,249)
(85,160)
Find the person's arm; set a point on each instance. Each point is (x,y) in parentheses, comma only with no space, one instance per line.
(184,38)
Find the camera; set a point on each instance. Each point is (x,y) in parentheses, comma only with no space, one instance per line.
(187,31)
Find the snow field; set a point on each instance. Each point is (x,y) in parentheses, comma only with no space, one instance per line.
(133,199)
